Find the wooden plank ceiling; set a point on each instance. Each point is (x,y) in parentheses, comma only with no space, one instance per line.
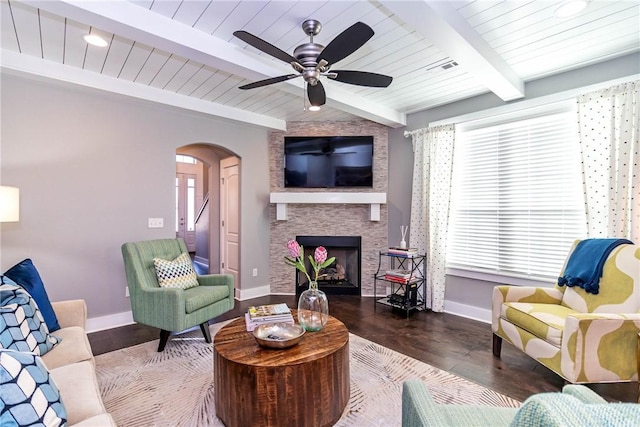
(183,53)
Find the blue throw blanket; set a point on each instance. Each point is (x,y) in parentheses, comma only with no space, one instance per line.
(584,268)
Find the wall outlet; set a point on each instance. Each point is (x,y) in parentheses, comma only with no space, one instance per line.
(126,291)
(255,272)
(156,222)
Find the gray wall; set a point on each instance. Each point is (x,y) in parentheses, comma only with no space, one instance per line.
(92,167)
(473,293)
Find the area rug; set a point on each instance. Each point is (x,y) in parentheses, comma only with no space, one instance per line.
(141,387)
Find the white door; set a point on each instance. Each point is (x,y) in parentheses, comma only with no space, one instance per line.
(230,218)
(186,209)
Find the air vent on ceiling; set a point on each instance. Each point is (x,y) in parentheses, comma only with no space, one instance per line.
(444,64)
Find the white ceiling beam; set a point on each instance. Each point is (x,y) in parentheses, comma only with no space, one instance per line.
(42,68)
(137,23)
(343,100)
(441,24)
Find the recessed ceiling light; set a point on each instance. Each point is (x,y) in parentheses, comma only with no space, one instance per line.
(314,108)
(570,8)
(95,40)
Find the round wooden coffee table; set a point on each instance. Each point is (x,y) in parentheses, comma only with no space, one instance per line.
(304,385)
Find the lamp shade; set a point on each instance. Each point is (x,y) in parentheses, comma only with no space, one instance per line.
(9,204)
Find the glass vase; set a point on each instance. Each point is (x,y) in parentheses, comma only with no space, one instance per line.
(313,308)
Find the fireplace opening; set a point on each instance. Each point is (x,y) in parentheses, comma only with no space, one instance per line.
(342,277)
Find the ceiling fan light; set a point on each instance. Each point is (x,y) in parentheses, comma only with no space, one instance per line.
(95,40)
(314,108)
(570,8)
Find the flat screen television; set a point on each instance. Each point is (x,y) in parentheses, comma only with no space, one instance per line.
(328,161)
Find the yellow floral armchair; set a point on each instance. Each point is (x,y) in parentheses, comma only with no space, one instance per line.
(583,337)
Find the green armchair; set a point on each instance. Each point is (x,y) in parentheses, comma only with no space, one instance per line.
(576,406)
(172,309)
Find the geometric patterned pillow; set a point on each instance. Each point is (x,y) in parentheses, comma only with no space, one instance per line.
(28,395)
(22,327)
(178,273)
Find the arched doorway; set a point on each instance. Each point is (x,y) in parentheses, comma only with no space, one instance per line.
(217,216)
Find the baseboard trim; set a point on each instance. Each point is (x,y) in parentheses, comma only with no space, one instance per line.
(95,324)
(469,311)
(253,293)
(102,323)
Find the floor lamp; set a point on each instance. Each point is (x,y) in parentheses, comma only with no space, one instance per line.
(9,204)
(9,207)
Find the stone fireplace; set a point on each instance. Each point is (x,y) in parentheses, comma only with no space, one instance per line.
(322,218)
(342,277)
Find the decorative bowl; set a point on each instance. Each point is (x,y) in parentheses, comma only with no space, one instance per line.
(278,335)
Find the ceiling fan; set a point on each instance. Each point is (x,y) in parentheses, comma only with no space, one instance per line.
(312,60)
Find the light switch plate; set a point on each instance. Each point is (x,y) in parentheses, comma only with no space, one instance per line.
(156,222)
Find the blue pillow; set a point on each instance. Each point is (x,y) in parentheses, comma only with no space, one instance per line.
(21,325)
(28,394)
(26,275)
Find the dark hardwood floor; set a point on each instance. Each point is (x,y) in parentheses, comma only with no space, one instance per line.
(452,343)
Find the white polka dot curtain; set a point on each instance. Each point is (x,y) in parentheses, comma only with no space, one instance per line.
(609,129)
(432,167)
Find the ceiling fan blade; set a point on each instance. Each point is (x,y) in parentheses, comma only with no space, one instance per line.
(270,81)
(316,94)
(361,78)
(264,46)
(346,43)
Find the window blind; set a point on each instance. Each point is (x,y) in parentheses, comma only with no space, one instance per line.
(517,199)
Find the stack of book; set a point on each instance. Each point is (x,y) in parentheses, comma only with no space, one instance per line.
(402,252)
(398,276)
(269,313)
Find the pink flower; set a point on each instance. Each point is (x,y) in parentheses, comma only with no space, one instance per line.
(318,261)
(320,255)
(294,249)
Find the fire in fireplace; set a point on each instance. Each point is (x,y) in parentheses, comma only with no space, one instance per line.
(340,278)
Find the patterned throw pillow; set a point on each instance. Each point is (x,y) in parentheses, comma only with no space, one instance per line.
(22,327)
(28,395)
(178,273)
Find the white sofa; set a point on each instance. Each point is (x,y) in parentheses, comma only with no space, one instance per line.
(72,366)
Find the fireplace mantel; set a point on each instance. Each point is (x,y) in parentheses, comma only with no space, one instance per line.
(282,199)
